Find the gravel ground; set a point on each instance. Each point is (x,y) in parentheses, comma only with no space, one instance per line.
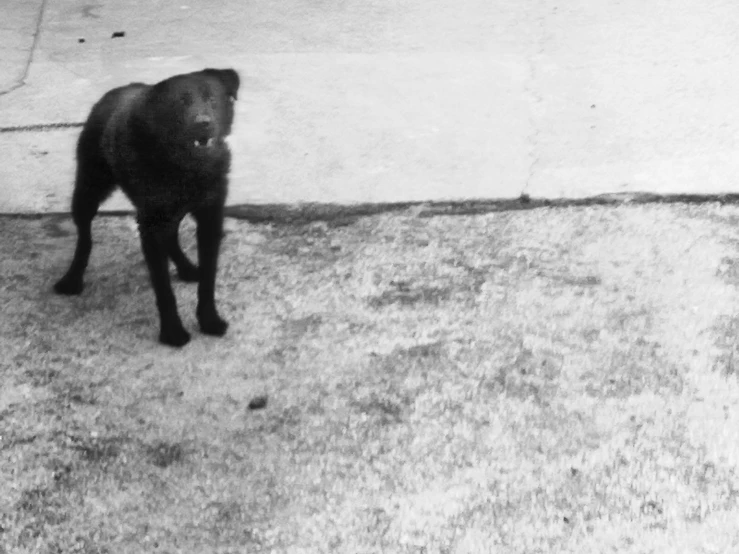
(552,380)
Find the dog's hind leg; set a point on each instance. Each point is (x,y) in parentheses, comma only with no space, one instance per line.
(155,230)
(209,233)
(186,270)
(94,183)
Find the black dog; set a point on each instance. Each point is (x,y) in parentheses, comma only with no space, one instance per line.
(164,146)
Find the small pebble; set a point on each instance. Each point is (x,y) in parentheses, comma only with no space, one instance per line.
(258,402)
(118,34)
(80,40)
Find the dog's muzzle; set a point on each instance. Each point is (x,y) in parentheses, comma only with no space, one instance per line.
(204,133)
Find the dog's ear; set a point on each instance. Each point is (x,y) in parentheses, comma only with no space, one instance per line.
(228,77)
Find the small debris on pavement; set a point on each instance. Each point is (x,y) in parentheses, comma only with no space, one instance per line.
(118,34)
(258,402)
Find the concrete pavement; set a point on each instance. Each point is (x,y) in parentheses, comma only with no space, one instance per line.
(396,100)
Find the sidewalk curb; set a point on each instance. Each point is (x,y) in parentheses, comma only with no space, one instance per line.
(344,214)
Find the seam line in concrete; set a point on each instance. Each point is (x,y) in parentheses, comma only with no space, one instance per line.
(34,44)
(40,127)
(537,98)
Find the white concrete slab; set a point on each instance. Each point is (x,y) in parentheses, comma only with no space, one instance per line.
(382,101)
(637,96)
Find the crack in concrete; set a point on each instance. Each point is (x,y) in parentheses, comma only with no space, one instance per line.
(36,33)
(40,127)
(536,98)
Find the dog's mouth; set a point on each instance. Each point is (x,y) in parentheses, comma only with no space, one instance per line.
(204,134)
(204,142)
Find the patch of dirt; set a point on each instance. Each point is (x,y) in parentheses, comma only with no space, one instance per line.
(553,380)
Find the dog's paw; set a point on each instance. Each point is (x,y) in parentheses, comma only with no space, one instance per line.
(174,336)
(188,273)
(68,286)
(212,324)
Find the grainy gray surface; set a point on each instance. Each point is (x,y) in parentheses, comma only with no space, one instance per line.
(554,380)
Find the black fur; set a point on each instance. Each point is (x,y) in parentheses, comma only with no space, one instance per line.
(163,144)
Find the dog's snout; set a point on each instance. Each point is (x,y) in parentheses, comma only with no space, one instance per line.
(203,133)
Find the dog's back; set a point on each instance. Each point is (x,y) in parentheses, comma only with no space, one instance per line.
(91,144)
(110,118)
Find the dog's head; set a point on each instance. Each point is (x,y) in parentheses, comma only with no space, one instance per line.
(193,112)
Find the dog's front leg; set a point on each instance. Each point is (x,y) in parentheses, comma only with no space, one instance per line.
(155,230)
(210,229)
